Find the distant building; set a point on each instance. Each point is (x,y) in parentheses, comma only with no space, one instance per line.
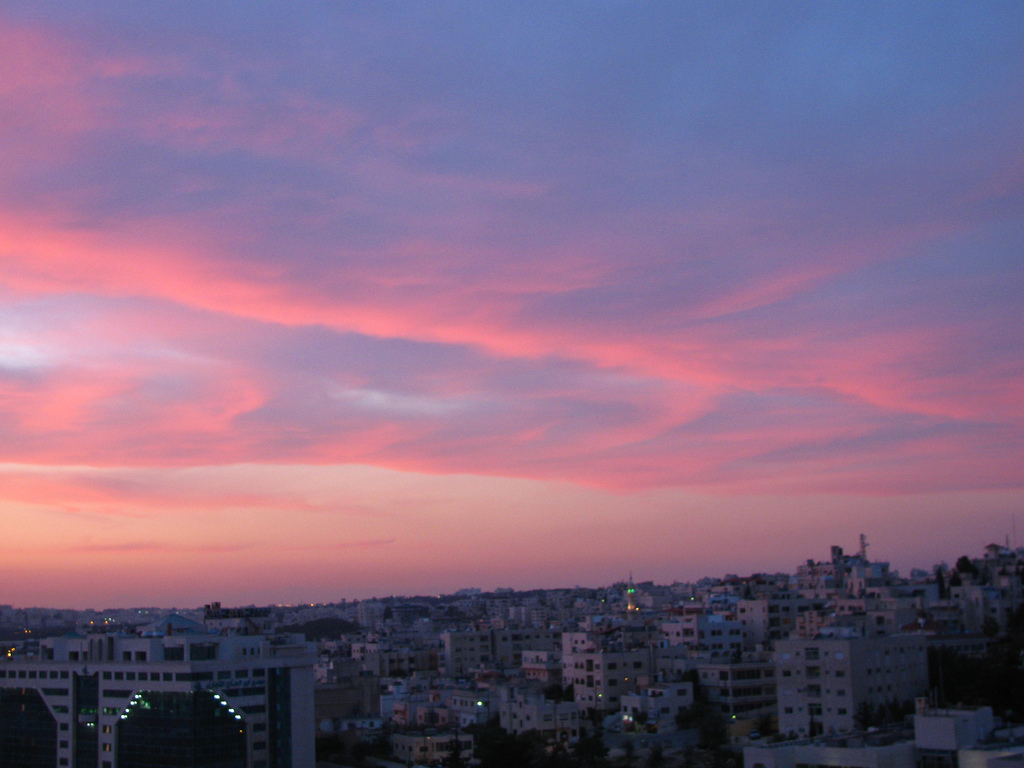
(238,621)
(429,747)
(466,652)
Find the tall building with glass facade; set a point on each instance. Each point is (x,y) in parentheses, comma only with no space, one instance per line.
(177,698)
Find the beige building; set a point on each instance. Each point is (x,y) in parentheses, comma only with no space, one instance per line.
(543,667)
(707,634)
(822,682)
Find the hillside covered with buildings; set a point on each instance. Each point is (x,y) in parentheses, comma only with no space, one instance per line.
(843,662)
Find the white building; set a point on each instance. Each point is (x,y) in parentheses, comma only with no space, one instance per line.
(113,701)
(520,711)
(822,682)
(657,704)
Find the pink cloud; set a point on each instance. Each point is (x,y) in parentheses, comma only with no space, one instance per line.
(449,259)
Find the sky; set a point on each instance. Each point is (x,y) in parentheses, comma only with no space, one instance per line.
(303,302)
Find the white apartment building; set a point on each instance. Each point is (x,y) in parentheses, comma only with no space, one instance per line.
(659,703)
(600,676)
(772,617)
(822,682)
(743,689)
(527,710)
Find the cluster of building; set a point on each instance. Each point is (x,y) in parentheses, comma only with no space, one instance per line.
(813,656)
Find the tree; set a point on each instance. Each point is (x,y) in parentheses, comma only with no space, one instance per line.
(995,679)
(328,746)
(630,751)
(713,730)
(965,565)
(864,717)
(1015,624)
(891,711)
(555,692)
(454,758)
(590,752)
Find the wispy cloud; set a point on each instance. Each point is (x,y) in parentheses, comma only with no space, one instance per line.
(625,247)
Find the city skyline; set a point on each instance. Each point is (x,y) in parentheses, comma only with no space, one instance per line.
(302,303)
(913,575)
